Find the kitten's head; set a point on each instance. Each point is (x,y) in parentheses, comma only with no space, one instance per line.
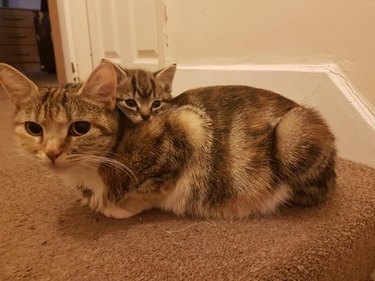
(62,126)
(142,94)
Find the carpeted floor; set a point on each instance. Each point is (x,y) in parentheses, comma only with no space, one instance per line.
(46,235)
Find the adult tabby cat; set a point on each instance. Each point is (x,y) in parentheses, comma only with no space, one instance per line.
(222,152)
(144,94)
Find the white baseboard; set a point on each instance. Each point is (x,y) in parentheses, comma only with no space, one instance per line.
(318,86)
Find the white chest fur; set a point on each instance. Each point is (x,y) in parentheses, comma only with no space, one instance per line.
(88,178)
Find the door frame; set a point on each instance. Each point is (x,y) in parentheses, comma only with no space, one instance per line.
(71,46)
(75,47)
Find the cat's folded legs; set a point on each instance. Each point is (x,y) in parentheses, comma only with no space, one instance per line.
(127,209)
(135,205)
(116,212)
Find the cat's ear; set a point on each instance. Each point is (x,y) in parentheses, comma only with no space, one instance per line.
(120,73)
(165,76)
(100,87)
(105,60)
(18,87)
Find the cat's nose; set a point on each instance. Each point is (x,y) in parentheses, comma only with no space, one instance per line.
(145,117)
(53,155)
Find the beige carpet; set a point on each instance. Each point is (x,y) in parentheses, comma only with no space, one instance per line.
(46,235)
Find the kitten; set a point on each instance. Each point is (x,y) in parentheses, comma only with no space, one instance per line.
(143,93)
(225,151)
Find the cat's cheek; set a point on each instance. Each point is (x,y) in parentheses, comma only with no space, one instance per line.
(136,119)
(23,139)
(40,156)
(43,159)
(28,145)
(133,116)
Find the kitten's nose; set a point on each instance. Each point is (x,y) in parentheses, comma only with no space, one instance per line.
(53,154)
(145,117)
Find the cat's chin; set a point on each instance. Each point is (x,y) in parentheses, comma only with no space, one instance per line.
(57,169)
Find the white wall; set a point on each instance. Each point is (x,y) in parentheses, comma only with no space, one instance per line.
(341,32)
(319,88)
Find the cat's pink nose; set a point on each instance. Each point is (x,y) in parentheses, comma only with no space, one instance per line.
(53,155)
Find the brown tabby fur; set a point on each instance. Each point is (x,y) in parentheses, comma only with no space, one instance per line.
(224,151)
(143,88)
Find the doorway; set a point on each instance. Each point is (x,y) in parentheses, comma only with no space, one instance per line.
(25,39)
(130,33)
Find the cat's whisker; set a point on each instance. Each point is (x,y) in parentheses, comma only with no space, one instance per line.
(122,167)
(111,163)
(88,165)
(111,154)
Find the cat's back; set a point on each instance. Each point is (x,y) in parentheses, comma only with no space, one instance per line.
(237,109)
(235,98)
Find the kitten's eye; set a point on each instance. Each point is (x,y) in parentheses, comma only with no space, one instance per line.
(33,128)
(156,104)
(131,103)
(79,128)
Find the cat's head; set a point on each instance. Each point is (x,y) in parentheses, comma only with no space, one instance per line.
(63,126)
(142,94)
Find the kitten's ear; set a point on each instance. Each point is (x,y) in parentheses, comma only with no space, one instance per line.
(100,87)
(18,87)
(165,76)
(120,73)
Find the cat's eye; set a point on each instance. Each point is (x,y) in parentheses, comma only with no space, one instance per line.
(33,128)
(131,103)
(156,104)
(79,128)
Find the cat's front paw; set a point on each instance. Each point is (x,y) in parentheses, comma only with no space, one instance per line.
(116,212)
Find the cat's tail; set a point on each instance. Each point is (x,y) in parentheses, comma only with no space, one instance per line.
(305,155)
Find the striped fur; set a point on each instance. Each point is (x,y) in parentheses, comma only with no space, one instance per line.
(224,151)
(144,89)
